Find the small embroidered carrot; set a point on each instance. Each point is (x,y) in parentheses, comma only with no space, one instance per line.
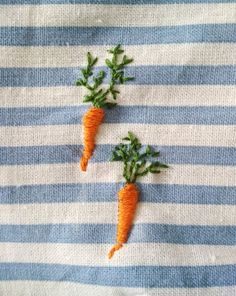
(137,162)
(99,97)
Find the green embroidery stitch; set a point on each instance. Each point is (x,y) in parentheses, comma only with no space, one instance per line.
(136,163)
(97,95)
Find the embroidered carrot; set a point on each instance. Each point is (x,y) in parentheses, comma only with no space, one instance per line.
(99,97)
(137,162)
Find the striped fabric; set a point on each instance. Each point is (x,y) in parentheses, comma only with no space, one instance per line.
(56,223)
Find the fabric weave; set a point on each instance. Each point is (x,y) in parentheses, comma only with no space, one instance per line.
(58,223)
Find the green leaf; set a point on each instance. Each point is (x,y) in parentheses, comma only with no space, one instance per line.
(84,71)
(89,87)
(102,95)
(120,153)
(94,61)
(158,164)
(89,58)
(126,139)
(101,99)
(101,74)
(91,61)
(136,156)
(143,173)
(162,165)
(109,63)
(148,150)
(115,49)
(98,80)
(135,145)
(88,99)
(110,105)
(80,82)
(116,157)
(131,136)
(126,60)
(119,67)
(154,171)
(118,46)
(143,162)
(136,164)
(118,147)
(155,153)
(114,94)
(114,60)
(128,79)
(119,51)
(95,94)
(117,76)
(143,155)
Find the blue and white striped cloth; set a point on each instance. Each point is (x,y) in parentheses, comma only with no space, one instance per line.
(56,223)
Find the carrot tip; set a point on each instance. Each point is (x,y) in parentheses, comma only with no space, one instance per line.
(114,249)
(83,163)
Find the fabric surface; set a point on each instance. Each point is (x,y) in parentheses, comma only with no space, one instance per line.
(57,223)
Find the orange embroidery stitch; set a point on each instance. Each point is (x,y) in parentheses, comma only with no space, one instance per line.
(91,122)
(99,97)
(136,163)
(128,199)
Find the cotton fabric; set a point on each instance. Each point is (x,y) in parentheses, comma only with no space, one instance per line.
(57,223)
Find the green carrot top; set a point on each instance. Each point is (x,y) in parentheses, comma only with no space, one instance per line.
(137,161)
(97,95)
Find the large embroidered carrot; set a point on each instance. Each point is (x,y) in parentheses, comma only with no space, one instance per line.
(137,162)
(99,97)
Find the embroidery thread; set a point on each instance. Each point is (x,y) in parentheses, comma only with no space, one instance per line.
(137,162)
(99,97)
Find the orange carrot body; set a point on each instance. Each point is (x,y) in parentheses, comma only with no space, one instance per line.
(128,199)
(91,122)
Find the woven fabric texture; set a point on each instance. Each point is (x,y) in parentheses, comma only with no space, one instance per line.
(57,223)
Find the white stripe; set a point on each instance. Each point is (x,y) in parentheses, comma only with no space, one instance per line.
(42,288)
(148,95)
(163,54)
(178,214)
(70,173)
(96,254)
(116,15)
(188,135)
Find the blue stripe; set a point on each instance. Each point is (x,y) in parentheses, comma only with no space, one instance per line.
(107,192)
(35,36)
(147,75)
(122,2)
(105,233)
(121,114)
(133,276)
(72,153)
